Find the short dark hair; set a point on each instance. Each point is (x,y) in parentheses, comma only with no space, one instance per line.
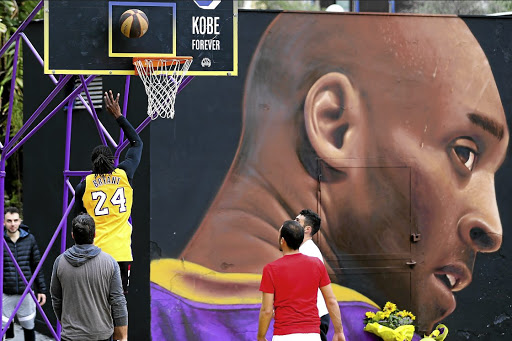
(11,210)
(293,234)
(311,219)
(84,229)
(102,160)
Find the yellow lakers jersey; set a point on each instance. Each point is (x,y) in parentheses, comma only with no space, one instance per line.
(108,199)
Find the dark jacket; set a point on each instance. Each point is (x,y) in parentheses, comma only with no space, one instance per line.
(27,255)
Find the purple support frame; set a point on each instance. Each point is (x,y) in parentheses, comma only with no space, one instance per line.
(10,146)
(2,165)
(55,81)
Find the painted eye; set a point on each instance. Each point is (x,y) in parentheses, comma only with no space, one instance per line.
(466,155)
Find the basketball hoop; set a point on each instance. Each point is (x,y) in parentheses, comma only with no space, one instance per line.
(161,78)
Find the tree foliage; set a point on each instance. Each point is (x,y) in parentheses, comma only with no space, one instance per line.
(459,7)
(12,14)
(283,5)
(498,6)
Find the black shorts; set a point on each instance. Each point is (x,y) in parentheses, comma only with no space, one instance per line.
(125,268)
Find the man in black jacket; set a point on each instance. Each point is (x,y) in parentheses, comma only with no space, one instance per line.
(24,249)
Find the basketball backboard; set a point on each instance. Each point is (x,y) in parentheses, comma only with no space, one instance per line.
(84,37)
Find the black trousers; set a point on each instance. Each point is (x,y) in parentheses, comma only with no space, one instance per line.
(324,326)
(29,334)
(125,268)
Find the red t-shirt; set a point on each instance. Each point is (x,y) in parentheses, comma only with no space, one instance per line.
(294,280)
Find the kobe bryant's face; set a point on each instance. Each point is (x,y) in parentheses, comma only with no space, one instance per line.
(434,144)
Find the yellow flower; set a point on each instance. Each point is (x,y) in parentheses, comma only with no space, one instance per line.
(390,307)
(379,315)
(405,313)
(370,314)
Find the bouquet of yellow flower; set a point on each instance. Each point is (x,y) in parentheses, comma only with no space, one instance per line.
(390,323)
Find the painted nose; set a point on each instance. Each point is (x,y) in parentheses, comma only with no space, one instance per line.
(482,228)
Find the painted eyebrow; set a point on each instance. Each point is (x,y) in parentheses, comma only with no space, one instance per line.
(491,126)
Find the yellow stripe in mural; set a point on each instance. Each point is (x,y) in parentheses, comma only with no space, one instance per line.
(200,284)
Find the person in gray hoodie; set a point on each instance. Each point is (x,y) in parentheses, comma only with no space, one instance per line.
(86,290)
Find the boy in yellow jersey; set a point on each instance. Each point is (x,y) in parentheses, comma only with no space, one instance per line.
(107,194)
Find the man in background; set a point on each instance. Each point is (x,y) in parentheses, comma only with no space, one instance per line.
(24,248)
(310,221)
(290,285)
(86,289)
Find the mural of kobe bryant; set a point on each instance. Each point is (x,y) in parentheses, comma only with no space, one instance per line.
(376,97)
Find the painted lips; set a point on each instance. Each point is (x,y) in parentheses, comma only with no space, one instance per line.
(455,277)
(449,280)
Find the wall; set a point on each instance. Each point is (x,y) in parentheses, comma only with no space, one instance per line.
(240,158)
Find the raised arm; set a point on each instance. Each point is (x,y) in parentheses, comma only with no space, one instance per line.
(134,153)
(334,312)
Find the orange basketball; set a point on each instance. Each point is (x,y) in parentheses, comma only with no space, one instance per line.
(134,23)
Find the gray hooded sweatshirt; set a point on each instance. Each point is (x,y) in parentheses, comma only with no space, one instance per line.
(87,294)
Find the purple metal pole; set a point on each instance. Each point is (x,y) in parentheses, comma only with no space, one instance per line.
(94,115)
(37,55)
(185,82)
(21,28)
(125,109)
(70,187)
(36,113)
(54,80)
(65,193)
(67,156)
(49,116)
(82,174)
(2,188)
(4,158)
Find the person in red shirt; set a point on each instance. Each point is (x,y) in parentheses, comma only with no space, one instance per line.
(289,287)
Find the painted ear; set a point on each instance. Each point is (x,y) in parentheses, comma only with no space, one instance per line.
(332,116)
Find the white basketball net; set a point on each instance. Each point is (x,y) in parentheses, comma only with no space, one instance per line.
(162,79)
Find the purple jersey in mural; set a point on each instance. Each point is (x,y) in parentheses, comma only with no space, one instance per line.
(174,316)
